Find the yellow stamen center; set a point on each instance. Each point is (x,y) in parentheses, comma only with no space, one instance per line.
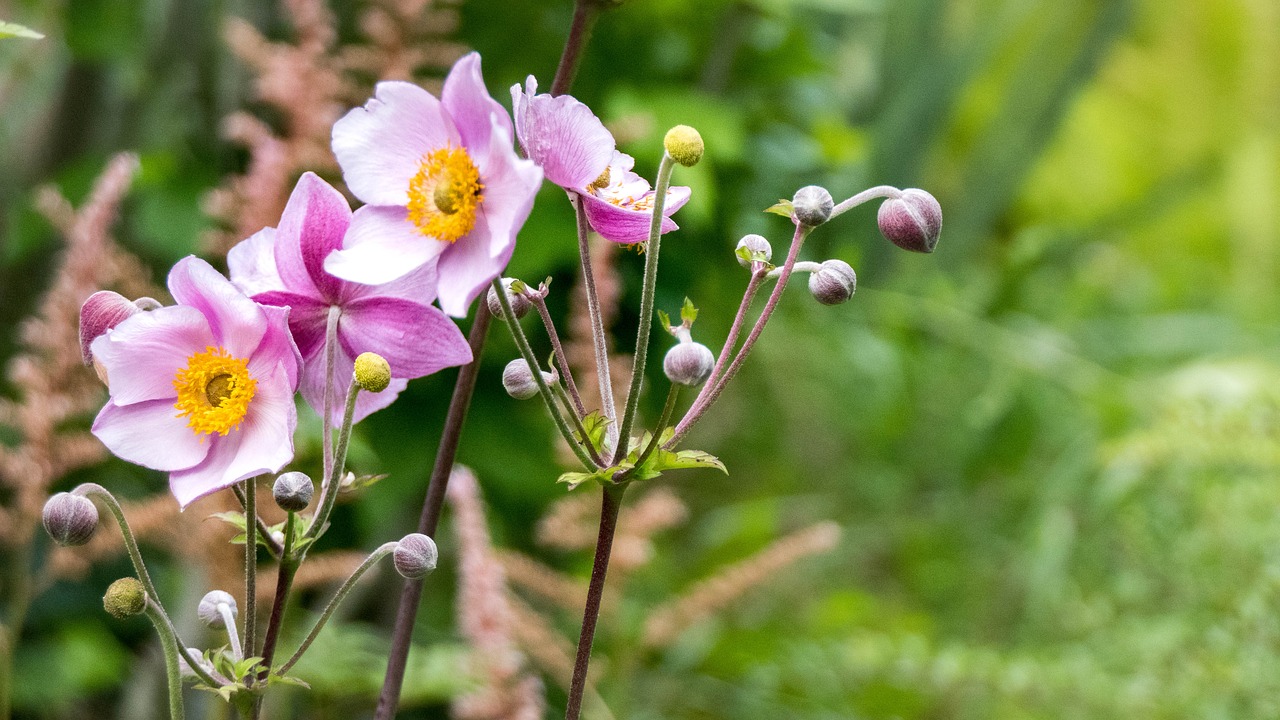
(214,391)
(445,194)
(600,182)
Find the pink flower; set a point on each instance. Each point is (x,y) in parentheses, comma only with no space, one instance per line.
(577,153)
(284,267)
(203,389)
(442,183)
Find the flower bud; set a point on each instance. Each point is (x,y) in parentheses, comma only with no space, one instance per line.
(833,283)
(684,145)
(520,305)
(812,205)
(372,372)
(753,246)
(209,611)
(688,363)
(70,519)
(912,221)
(517,378)
(125,597)
(101,312)
(415,556)
(292,491)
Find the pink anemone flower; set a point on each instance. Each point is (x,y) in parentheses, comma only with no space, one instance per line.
(441,182)
(203,389)
(578,153)
(284,266)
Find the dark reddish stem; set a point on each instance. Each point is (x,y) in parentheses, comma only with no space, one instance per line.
(609,508)
(585,13)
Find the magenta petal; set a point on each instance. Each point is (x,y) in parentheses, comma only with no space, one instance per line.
(676,198)
(307,318)
(381,246)
(252,264)
(236,321)
(380,146)
(415,339)
(277,348)
(101,312)
(615,223)
(467,101)
(143,354)
(150,434)
(562,136)
(312,226)
(262,444)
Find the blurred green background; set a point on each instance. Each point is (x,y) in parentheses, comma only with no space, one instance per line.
(1051,445)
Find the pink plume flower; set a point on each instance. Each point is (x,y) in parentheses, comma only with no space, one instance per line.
(442,183)
(284,266)
(203,389)
(577,152)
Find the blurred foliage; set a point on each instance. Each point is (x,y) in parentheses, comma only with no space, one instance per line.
(1052,444)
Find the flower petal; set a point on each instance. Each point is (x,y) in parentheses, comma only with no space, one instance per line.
(415,339)
(312,226)
(626,226)
(262,444)
(380,146)
(307,318)
(562,136)
(252,264)
(237,322)
(418,285)
(143,354)
(150,434)
(510,185)
(468,102)
(277,348)
(381,246)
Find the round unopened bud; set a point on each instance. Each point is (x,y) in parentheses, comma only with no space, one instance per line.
(684,145)
(688,363)
(812,205)
(125,597)
(833,283)
(517,378)
(292,491)
(415,556)
(372,372)
(912,221)
(520,305)
(210,611)
(753,245)
(70,519)
(102,311)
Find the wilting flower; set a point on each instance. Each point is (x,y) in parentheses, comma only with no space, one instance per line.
(203,389)
(284,266)
(442,182)
(577,153)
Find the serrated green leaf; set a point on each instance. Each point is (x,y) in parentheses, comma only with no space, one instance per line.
(665,319)
(288,680)
(517,287)
(232,518)
(574,479)
(783,208)
(8,29)
(688,313)
(595,425)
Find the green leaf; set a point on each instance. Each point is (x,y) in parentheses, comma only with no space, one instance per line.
(665,319)
(574,479)
(288,680)
(688,313)
(747,255)
(595,424)
(783,208)
(8,29)
(360,482)
(232,518)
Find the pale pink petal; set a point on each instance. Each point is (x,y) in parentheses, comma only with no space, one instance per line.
(380,146)
(381,246)
(312,226)
(277,348)
(143,354)
(418,286)
(236,321)
(263,443)
(252,264)
(468,103)
(415,339)
(467,268)
(510,186)
(150,434)
(562,136)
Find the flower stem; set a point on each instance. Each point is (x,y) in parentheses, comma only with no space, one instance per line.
(250,568)
(329,609)
(753,285)
(577,425)
(554,337)
(879,191)
(522,342)
(332,481)
(585,14)
(330,360)
(172,671)
(273,547)
(284,582)
(646,306)
(411,594)
(603,375)
(609,507)
(656,436)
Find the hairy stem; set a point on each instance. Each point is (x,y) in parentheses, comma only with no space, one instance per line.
(585,14)
(609,507)
(667,410)
(554,337)
(284,582)
(577,425)
(332,481)
(599,340)
(250,568)
(879,191)
(172,671)
(273,547)
(330,360)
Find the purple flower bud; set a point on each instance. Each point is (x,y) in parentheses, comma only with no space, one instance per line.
(70,519)
(688,363)
(520,305)
(210,611)
(912,221)
(125,597)
(752,247)
(812,205)
(517,378)
(833,283)
(292,491)
(415,556)
(101,312)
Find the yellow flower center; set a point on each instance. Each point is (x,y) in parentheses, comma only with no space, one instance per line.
(445,194)
(214,391)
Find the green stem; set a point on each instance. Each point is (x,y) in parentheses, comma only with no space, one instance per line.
(369,562)
(250,569)
(173,672)
(284,582)
(577,424)
(599,341)
(646,307)
(264,532)
(330,359)
(330,493)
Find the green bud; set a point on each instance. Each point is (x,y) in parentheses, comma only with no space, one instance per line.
(125,597)
(684,145)
(372,373)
